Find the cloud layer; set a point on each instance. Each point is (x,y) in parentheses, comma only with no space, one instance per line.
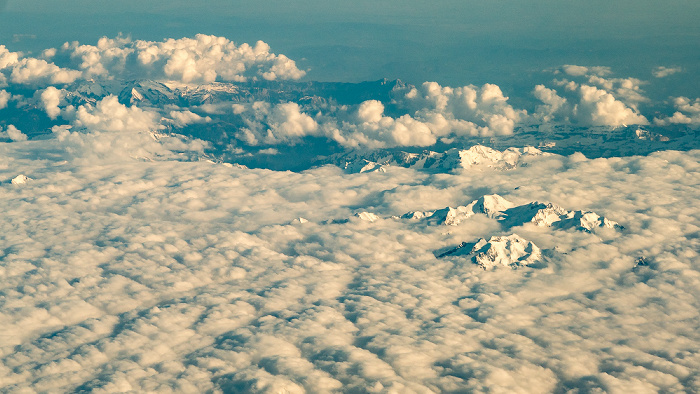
(136,275)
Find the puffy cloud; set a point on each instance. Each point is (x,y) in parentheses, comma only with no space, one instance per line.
(434,112)
(597,100)
(371,128)
(200,59)
(108,115)
(600,108)
(8,58)
(33,71)
(578,71)
(5,97)
(50,99)
(184,118)
(485,107)
(268,124)
(663,72)
(626,89)
(12,133)
(39,71)
(688,112)
(553,103)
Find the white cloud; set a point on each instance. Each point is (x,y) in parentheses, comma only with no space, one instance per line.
(663,72)
(38,71)
(192,276)
(688,112)
(5,97)
(200,59)
(373,129)
(51,98)
(184,118)
(12,133)
(8,58)
(600,108)
(578,71)
(274,124)
(486,106)
(552,104)
(108,115)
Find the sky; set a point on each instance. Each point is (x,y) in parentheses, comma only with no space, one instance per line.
(450,42)
(187,208)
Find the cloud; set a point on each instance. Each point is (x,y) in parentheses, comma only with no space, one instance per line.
(108,115)
(274,124)
(110,130)
(596,100)
(373,129)
(51,98)
(663,72)
(578,71)
(553,104)
(184,118)
(201,59)
(5,97)
(486,106)
(600,108)
(12,133)
(8,58)
(434,113)
(33,71)
(193,276)
(688,112)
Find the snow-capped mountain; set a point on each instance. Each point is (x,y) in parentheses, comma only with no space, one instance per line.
(452,159)
(510,215)
(506,250)
(491,205)
(552,215)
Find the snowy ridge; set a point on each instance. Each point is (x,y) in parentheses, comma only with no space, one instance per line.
(452,159)
(490,205)
(551,215)
(506,250)
(510,215)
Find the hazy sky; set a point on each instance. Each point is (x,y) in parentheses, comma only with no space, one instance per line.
(452,42)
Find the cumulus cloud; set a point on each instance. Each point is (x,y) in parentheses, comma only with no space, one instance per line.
(274,124)
(371,128)
(109,115)
(663,72)
(578,71)
(39,71)
(12,133)
(434,113)
(485,106)
(200,59)
(8,58)
(50,99)
(184,118)
(5,97)
(595,100)
(600,108)
(688,112)
(33,71)
(553,104)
